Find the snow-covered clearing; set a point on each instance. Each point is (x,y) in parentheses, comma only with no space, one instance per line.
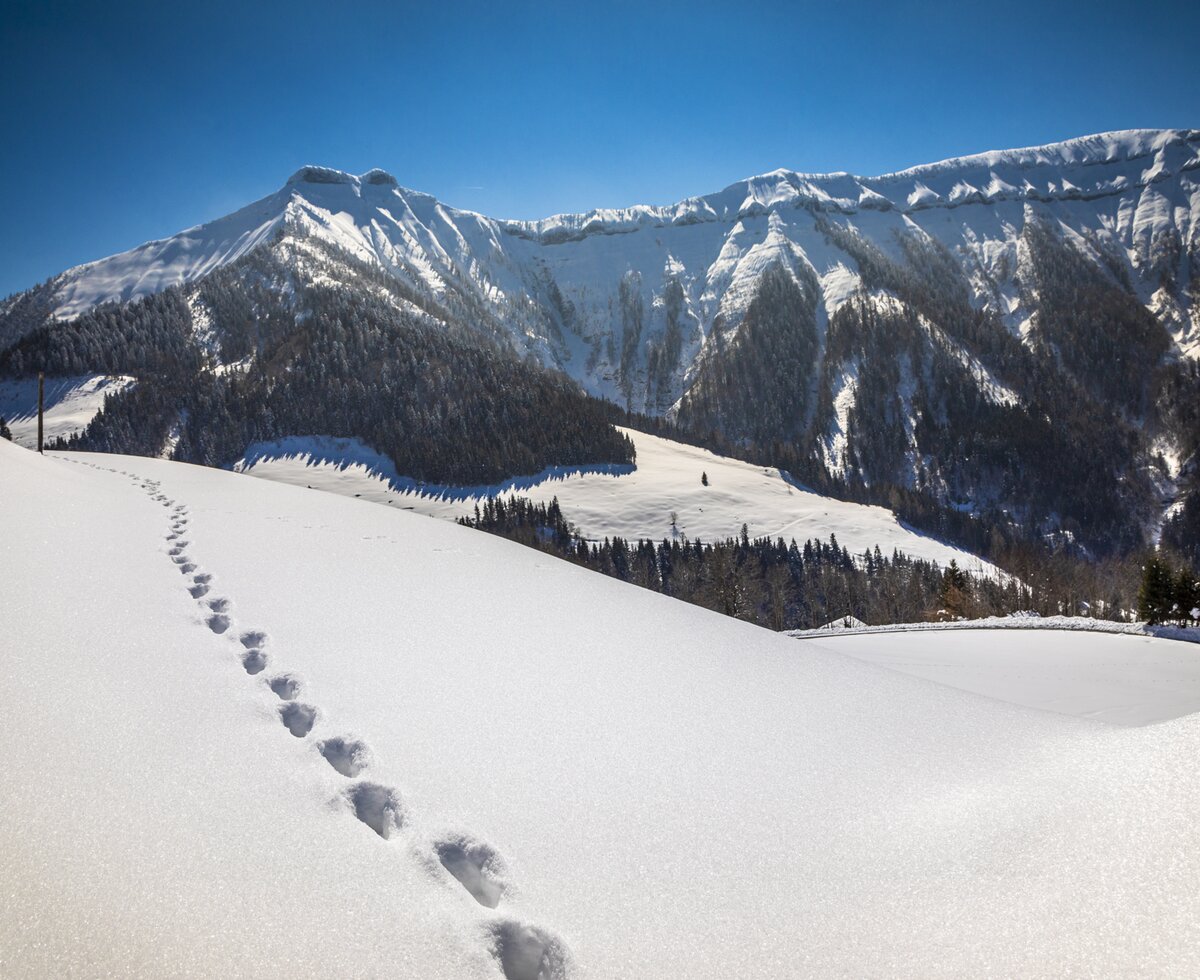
(1123,679)
(193,662)
(70,404)
(608,501)
(1016,621)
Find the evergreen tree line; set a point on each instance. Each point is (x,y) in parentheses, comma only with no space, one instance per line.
(785,585)
(1169,593)
(772,582)
(151,337)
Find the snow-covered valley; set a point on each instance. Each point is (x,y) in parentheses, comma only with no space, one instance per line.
(197,664)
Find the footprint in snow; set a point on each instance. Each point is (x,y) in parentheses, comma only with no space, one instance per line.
(523,952)
(527,952)
(255,659)
(285,686)
(298,718)
(254,662)
(477,866)
(379,807)
(348,756)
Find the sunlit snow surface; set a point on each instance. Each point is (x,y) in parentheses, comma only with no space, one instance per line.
(608,501)
(668,792)
(69,404)
(1124,680)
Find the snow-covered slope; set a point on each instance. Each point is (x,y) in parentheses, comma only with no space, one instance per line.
(70,404)
(666,791)
(629,502)
(1124,680)
(608,294)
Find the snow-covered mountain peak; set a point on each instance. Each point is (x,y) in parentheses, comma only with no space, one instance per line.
(779,307)
(311,180)
(380,178)
(1101,164)
(1114,147)
(1107,164)
(321,175)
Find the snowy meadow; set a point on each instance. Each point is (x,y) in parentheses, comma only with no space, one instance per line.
(257,729)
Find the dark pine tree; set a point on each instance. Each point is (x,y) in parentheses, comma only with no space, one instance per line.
(1156,596)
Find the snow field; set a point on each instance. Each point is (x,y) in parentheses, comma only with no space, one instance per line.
(520,950)
(1120,679)
(672,793)
(609,502)
(523,951)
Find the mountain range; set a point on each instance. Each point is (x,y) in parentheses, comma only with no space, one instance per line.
(1007,340)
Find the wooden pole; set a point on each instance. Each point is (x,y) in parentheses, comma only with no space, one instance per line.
(41,404)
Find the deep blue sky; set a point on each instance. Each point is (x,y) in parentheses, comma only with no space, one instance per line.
(126,121)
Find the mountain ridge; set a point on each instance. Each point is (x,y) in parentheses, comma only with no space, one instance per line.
(946,329)
(759,191)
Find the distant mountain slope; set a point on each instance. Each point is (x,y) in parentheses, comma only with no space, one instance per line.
(298,337)
(1131,197)
(69,405)
(1013,334)
(609,502)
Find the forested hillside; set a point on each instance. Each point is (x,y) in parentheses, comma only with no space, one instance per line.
(444,402)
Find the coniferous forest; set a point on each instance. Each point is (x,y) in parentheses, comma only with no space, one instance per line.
(788,585)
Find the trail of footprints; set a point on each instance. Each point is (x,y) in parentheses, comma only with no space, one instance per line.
(522,951)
